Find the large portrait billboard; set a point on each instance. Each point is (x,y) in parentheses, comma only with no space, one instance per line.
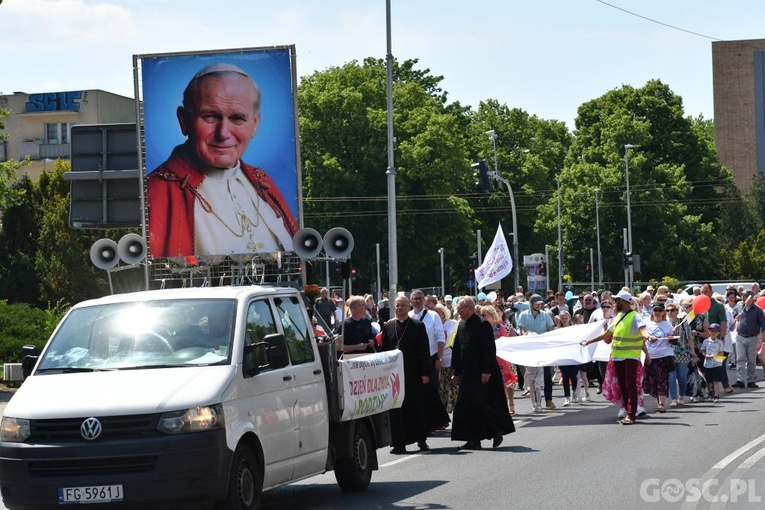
(220,151)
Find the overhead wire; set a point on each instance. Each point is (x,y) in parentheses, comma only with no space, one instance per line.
(673,27)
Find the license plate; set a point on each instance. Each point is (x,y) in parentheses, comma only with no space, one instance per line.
(91,494)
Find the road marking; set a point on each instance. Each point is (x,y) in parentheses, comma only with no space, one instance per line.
(730,458)
(399,461)
(751,461)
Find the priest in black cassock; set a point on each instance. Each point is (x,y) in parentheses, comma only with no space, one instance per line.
(481,410)
(422,411)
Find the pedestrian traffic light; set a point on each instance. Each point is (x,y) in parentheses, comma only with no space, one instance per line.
(482,183)
(628,259)
(473,259)
(542,269)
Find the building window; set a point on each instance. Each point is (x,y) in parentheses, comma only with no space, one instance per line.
(57,132)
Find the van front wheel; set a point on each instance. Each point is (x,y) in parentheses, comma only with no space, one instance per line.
(245,484)
(354,474)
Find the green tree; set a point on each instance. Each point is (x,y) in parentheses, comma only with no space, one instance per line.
(529,154)
(673,228)
(746,260)
(62,256)
(343,118)
(9,169)
(18,244)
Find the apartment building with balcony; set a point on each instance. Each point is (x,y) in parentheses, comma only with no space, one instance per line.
(39,125)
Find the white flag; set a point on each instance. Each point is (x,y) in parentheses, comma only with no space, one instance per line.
(497,264)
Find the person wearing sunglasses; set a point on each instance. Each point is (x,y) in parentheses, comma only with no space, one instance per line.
(685,352)
(656,380)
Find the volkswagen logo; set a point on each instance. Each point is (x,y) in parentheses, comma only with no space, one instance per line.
(91,429)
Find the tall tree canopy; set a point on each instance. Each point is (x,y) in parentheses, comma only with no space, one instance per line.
(343,118)
(676,186)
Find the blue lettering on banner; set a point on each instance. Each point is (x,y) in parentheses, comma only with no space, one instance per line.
(54,102)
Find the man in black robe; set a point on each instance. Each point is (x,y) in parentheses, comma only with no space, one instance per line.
(481,410)
(422,411)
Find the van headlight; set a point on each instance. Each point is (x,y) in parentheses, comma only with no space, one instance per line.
(196,419)
(14,430)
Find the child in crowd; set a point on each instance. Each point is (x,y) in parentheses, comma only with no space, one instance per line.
(712,348)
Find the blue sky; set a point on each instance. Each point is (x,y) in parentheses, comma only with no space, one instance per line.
(544,56)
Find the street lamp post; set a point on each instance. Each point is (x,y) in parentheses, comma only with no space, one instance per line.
(516,263)
(443,285)
(627,148)
(391,171)
(560,246)
(597,230)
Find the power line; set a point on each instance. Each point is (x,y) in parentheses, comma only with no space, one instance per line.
(659,22)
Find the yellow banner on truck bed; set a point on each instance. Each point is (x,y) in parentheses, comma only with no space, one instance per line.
(371,383)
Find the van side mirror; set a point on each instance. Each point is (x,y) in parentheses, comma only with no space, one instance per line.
(29,356)
(271,353)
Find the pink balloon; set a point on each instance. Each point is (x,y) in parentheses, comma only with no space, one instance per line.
(701,304)
(760,302)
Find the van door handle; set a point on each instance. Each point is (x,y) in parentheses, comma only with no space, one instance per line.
(317,371)
(287,378)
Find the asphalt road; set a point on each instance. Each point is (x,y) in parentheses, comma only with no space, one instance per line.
(700,456)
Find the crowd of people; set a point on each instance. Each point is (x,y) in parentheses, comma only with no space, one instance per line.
(674,347)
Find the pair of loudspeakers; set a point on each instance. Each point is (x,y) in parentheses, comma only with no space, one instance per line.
(105,253)
(337,243)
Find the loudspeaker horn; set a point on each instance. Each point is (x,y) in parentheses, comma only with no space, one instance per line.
(307,243)
(103,254)
(131,248)
(338,243)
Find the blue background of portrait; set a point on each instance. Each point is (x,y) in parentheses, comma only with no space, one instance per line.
(164,78)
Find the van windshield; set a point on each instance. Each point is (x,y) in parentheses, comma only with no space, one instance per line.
(167,333)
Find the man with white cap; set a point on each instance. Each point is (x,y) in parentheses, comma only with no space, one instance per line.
(629,336)
(449,303)
(204,199)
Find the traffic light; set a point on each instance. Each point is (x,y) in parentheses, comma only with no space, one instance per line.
(482,183)
(542,269)
(628,259)
(473,259)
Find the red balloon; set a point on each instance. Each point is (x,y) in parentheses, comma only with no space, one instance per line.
(760,302)
(701,304)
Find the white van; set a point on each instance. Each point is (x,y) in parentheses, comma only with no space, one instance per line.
(717,288)
(205,396)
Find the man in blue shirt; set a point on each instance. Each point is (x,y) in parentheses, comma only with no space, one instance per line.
(536,320)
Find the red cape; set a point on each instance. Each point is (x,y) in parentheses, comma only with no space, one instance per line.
(172,191)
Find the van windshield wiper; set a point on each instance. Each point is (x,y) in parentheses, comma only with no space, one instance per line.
(143,367)
(71,370)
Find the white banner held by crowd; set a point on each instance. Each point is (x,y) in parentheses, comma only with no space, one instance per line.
(559,347)
(372,383)
(497,264)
